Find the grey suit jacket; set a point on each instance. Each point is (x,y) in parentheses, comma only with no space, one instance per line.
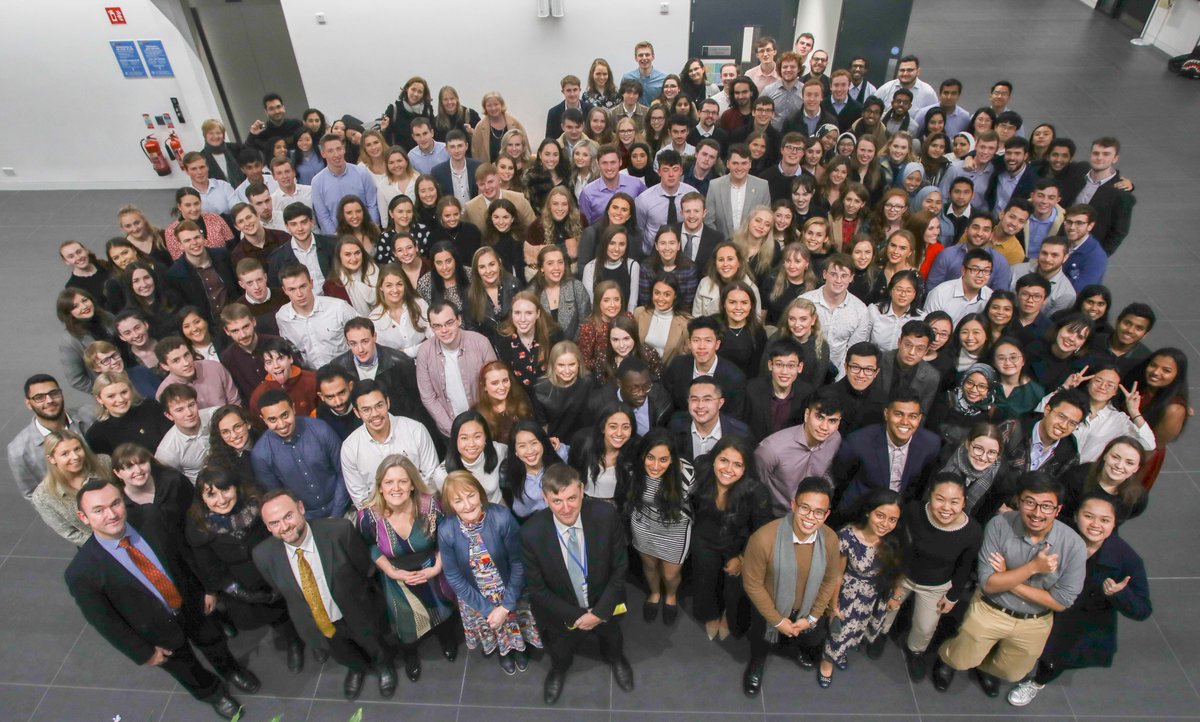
(27,461)
(719,209)
(925,381)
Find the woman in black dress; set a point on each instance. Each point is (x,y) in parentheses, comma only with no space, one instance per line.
(1115,583)
(562,394)
(145,481)
(124,416)
(729,505)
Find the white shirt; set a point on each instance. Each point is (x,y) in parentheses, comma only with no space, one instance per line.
(885,326)
(843,326)
(268,181)
(1095,431)
(311,262)
(281,200)
(319,335)
(737,200)
(704,443)
(361,455)
(183,452)
(897,457)
(490,481)
(923,93)
(1062,293)
(308,545)
(401,335)
(219,197)
(605,484)
(949,296)
(456,393)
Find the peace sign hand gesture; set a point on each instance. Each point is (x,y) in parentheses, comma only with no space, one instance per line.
(1133,399)
(1077,378)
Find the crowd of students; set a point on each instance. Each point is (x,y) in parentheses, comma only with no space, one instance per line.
(808,348)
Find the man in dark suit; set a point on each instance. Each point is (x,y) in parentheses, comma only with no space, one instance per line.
(839,103)
(133,586)
(634,387)
(200,268)
(704,338)
(458,167)
(575,563)
(1095,182)
(776,401)
(697,239)
(698,431)
(571,90)
(325,574)
(905,367)
(1014,177)
(299,221)
(1048,443)
(896,454)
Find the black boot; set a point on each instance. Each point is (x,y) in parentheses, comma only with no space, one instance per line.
(916,662)
(988,683)
(942,674)
(752,679)
(876,646)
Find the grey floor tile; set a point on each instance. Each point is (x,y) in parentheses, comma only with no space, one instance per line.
(18,701)
(182,708)
(33,592)
(965,698)
(1155,534)
(95,663)
(67,703)
(588,685)
(340,711)
(441,682)
(788,689)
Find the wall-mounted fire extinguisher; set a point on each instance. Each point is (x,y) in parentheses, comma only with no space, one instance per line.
(153,151)
(175,148)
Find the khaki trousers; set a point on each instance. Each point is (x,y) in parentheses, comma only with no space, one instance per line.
(997,643)
(925,615)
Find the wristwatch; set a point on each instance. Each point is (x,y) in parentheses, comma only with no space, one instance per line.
(812,621)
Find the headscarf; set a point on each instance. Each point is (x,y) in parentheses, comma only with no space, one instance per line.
(826,128)
(972,409)
(970,141)
(918,199)
(847,134)
(906,170)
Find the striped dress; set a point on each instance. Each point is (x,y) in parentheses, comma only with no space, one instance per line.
(656,535)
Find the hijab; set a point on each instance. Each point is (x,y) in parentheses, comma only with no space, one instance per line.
(959,398)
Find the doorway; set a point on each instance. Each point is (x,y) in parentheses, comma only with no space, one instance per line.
(249,54)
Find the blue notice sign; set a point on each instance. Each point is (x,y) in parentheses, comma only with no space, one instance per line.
(156,59)
(128,58)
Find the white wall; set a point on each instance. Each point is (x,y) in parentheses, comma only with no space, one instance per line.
(1175,30)
(819,17)
(344,72)
(70,118)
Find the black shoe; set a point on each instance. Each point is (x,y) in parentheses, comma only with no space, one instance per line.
(352,687)
(450,651)
(915,661)
(387,679)
(824,681)
(295,656)
(227,707)
(321,655)
(805,661)
(670,613)
(988,683)
(521,659)
(649,611)
(244,680)
(942,675)
(752,679)
(875,648)
(624,674)
(508,664)
(553,687)
(412,666)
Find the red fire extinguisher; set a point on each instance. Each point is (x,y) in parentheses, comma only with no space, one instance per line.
(175,147)
(153,151)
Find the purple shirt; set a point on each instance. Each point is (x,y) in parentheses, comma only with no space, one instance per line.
(595,196)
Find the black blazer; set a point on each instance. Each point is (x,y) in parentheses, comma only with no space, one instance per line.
(659,402)
(926,380)
(759,395)
(851,112)
(223,558)
(677,377)
(397,373)
(1114,208)
(554,119)
(283,255)
(681,429)
(551,594)
(719,134)
(120,607)
(186,280)
(795,121)
(348,570)
(709,238)
(862,465)
(229,150)
(1018,437)
(441,174)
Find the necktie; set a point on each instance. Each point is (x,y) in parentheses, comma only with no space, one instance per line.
(689,247)
(161,582)
(575,569)
(672,214)
(312,595)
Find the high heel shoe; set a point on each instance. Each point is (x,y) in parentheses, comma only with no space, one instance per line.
(711,629)
(723,630)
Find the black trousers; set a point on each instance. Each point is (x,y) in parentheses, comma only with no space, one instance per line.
(358,652)
(561,642)
(807,642)
(446,633)
(714,591)
(185,666)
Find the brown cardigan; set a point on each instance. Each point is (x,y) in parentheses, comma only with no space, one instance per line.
(479,137)
(677,337)
(758,574)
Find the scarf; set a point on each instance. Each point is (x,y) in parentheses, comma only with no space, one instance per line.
(785,570)
(236,523)
(959,399)
(978,481)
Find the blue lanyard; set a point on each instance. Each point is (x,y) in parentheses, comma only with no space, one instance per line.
(581,564)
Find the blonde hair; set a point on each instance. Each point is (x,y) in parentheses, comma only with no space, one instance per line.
(93,465)
(795,248)
(493,95)
(785,331)
(420,490)
(454,483)
(211,124)
(765,260)
(111,378)
(563,348)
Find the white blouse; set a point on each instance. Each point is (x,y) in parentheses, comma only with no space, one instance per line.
(401,334)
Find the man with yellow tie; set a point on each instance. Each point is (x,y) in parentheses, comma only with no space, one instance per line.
(323,570)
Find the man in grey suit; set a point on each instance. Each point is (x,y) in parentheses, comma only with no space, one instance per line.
(731,197)
(905,367)
(44,397)
(325,574)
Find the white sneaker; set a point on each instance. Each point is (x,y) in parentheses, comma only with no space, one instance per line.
(1024,693)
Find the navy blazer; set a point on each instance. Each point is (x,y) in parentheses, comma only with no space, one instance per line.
(554,118)
(681,429)
(184,277)
(283,255)
(862,466)
(501,536)
(441,174)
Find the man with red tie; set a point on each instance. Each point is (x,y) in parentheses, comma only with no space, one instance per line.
(132,584)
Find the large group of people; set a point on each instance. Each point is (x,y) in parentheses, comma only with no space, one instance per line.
(835,361)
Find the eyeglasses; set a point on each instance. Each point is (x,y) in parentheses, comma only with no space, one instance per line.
(985,453)
(444,326)
(109,360)
(979,270)
(862,370)
(1060,418)
(975,385)
(807,511)
(238,428)
(46,396)
(785,366)
(893,206)
(1102,385)
(1045,507)
(1010,359)
(794,148)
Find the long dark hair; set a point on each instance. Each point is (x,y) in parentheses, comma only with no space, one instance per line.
(454,460)
(220,453)
(513,482)
(890,552)
(741,493)
(437,285)
(1176,391)
(588,457)
(669,498)
(219,477)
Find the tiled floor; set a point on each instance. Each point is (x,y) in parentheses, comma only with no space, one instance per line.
(1068,65)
